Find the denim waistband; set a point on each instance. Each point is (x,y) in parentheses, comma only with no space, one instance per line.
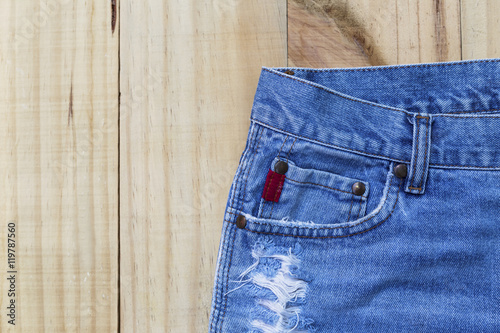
(453,108)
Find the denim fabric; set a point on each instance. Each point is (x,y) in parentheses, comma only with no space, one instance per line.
(414,253)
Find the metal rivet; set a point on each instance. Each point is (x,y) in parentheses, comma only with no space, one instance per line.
(241,221)
(289,72)
(400,170)
(281,167)
(358,188)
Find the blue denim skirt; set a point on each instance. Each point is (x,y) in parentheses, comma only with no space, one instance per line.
(366,200)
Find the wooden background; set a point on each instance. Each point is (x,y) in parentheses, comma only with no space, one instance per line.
(121,127)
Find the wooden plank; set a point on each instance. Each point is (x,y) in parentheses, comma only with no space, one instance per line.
(342,33)
(181,136)
(58,164)
(480,29)
(189,71)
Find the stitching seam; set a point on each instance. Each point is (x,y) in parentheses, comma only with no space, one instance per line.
(323,237)
(322,142)
(350,208)
(262,207)
(359,210)
(231,248)
(268,184)
(288,154)
(274,200)
(424,168)
(249,167)
(328,187)
(372,154)
(471,111)
(284,141)
(239,174)
(468,166)
(272,205)
(242,164)
(315,85)
(415,160)
(289,151)
(387,68)
(341,227)
(276,192)
(367,102)
(447,115)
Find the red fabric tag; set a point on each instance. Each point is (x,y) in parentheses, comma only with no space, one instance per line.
(273,187)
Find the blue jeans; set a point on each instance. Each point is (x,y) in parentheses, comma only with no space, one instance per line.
(366,200)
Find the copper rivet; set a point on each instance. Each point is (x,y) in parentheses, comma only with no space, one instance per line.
(241,221)
(358,188)
(289,72)
(281,167)
(400,170)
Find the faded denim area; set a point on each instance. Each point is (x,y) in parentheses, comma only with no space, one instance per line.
(342,240)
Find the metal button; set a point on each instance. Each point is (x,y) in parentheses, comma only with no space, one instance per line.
(289,72)
(281,167)
(358,188)
(400,170)
(241,221)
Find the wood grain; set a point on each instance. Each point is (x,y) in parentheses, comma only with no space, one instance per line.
(480,29)
(118,202)
(188,77)
(59,164)
(341,33)
(319,41)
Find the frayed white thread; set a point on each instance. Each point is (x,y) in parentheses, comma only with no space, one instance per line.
(287,289)
(284,286)
(239,281)
(287,316)
(265,328)
(256,254)
(285,220)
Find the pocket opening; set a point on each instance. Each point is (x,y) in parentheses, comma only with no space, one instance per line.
(310,194)
(309,229)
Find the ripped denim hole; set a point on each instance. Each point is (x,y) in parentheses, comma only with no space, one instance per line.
(279,293)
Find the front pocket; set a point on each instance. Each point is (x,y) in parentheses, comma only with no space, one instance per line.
(316,196)
(306,228)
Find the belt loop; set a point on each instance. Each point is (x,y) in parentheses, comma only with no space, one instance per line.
(419,166)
